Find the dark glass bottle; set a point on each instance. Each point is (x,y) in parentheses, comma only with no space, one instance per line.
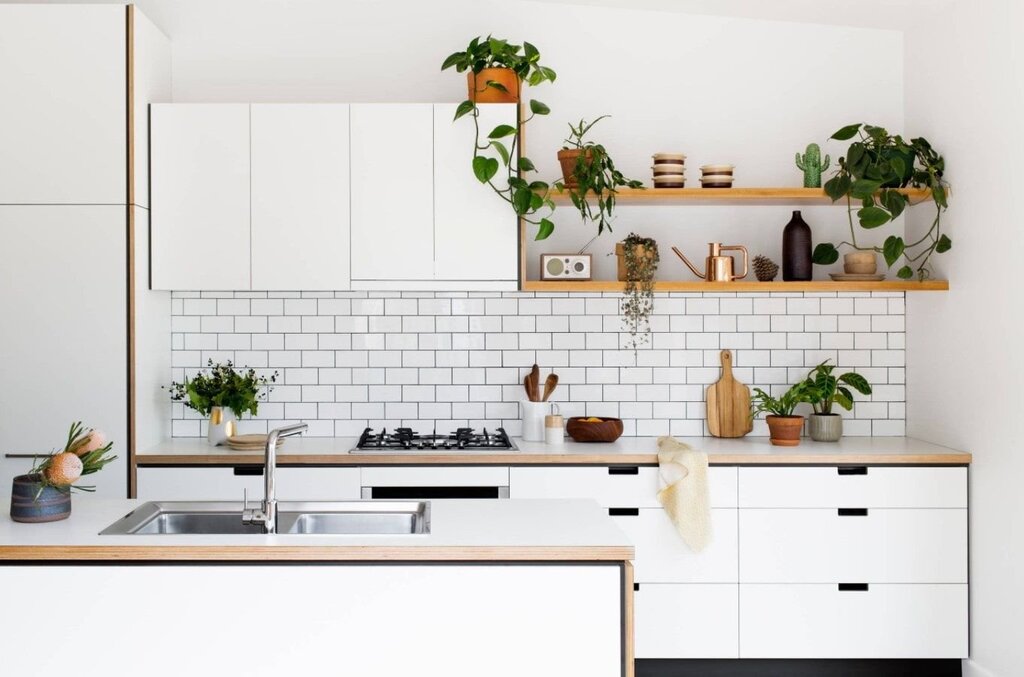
(796,250)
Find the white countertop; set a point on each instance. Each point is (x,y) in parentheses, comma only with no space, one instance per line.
(460,529)
(630,450)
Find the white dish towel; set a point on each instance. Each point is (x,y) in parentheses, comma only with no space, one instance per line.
(683,474)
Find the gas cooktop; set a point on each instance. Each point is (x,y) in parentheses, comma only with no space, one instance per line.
(402,440)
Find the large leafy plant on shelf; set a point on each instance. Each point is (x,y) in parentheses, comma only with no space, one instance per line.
(876,166)
(499,149)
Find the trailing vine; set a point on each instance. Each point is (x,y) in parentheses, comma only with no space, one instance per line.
(640,255)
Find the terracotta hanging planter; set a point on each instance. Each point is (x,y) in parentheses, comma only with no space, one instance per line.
(567,159)
(640,252)
(785,430)
(481,92)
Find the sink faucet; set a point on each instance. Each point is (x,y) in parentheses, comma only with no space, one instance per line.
(267,513)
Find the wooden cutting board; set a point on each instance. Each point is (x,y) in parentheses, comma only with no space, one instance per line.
(728,403)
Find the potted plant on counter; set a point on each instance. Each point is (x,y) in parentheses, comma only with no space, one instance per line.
(44,495)
(784,425)
(588,169)
(496,70)
(827,390)
(223,394)
(638,262)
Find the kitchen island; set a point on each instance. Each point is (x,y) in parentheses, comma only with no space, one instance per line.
(539,587)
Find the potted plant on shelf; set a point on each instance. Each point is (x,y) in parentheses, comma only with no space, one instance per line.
(784,425)
(44,495)
(496,70)
(587,168)
(828,390)
(223,394)
(638,262)
(875,167)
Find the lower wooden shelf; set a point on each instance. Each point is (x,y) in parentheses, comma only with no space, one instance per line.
(739,286)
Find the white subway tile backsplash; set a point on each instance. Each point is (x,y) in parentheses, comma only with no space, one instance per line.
(348,360)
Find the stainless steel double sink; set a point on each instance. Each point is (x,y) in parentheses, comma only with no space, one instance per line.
(325,518)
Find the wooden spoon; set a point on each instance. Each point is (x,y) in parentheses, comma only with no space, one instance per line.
(527,387)
(549,385)
(535,384)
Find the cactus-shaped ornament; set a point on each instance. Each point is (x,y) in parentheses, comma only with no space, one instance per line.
(812,166)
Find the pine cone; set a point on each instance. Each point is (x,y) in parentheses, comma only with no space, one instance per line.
(765,269)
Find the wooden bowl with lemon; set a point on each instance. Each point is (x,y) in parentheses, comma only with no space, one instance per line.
(594,428)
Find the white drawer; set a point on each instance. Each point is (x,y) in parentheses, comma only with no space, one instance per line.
(883,546)
(198,484)
(317,484)
(686,621)
(884,621)
(663,557)
(435,476)
(613,487)
(853,487)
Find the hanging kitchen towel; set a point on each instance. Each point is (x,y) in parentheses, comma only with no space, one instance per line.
(683,473)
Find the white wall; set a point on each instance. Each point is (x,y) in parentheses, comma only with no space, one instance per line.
(743,91)
(964,82)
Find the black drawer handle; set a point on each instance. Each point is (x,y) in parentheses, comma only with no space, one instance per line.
(624,512)
(852,512)
(853,587)
(852,470)
(636,587)
(624,470)
(248,470)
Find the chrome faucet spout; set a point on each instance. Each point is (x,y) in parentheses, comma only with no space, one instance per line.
(267,513)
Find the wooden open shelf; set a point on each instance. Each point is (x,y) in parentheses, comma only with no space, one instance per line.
(740,286)
(751,196)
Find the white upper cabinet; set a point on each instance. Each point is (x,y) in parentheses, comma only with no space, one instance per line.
(392,194)
(476,234)
(63,110)
(200,196)
(300,196)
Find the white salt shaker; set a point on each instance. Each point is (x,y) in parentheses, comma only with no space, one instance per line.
(554,430)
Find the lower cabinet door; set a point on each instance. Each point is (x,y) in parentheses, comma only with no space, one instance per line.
(686,621)
(228,484)
(317,484)
(663,557)
(832,621)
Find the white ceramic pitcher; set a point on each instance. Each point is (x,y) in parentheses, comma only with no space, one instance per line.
(533,414)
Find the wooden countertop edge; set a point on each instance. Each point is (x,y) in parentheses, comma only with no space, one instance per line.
(300,553)
(776,458)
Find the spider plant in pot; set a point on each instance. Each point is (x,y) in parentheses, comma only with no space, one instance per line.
(784,425)
(588,168)
(826,426)
(496,70)
(638,262)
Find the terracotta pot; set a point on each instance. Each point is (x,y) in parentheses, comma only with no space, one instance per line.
(29,504)
(567,158)
(480,92)
(825,427)
(862,263)
(620,254)
(785,430)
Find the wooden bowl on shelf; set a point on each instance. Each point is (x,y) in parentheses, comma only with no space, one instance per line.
(594,428)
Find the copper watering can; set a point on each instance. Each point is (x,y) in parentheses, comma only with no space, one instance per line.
(718,267)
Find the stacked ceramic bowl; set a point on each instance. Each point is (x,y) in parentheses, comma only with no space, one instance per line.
(669,170)
(716,176)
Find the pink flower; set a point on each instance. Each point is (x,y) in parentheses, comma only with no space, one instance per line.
(93,441)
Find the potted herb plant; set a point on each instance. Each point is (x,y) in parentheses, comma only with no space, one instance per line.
(638,262)
(223,394)
(784,425)
(828,390)
(496,70)
(44,495)
(875,167)
(587,168)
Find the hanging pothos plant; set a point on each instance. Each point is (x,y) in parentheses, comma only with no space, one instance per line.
(874,168)
(641,258)
(499,148)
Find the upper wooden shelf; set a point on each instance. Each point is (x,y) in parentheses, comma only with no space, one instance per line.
(752,196)
(740,286)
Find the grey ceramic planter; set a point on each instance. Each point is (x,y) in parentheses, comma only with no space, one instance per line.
(826,427)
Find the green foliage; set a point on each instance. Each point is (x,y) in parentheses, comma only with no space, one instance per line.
(827,389)
(223,386)
(595,174)
(498,148)
(638,300)
(785,404)
(875,165)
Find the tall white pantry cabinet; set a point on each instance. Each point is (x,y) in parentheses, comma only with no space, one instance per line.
(71,206)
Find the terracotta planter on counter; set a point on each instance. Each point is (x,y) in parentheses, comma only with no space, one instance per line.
(785,430)
(30,504)
(480,92)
